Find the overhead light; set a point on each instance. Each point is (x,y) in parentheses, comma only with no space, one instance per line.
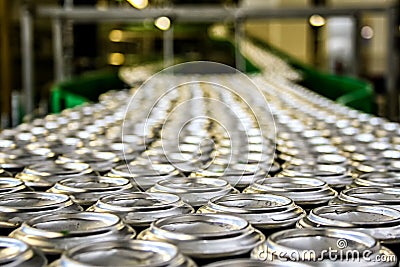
(116,59)
(218,31)
(317,20)
(163,23)
(115,36)
(139,4)
(367,32)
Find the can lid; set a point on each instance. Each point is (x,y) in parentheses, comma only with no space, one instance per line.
(88,189)
(14,252)
(142,208)
(300,190)
(10,185)
(55,233)
(261,210)
(139,253)
(381,222)
(205,235)
(379,179)
(195,191)
(371,195)
(32,201)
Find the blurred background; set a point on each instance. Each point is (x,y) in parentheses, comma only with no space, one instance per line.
(46,42)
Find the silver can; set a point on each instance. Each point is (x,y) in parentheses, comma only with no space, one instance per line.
(145,175)
(383,223)
(238,175)
(335,176)
(324,247)
(124,253)
(305,192)
(378,179)
(264,211)
(383,196)
(87,190)
(100,161)
(10,185)
(53,234)
(141,209)
(3,172)
(16,208)
(16,253)
(44,175)
(206,235)
(196,191)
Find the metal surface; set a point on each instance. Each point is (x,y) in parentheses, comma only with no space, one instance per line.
(16,253)
(58,47)
(205,236)
(264,211)
(26,22)
(18,207)
(168,46)
(291,245)
(87,190)
(125,253)
(53,234)
(141,209)
(195,191)
(305,192)
(383,223)
(199,14)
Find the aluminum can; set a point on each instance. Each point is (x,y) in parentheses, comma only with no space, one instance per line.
(324,247)
(383,223)
(196,191)
(44,175)
(10,185)
(335,176)
(16,208)
(87,190)
(53,234)
(16,253)
(266,212)
(100,161)
(140,209)
(124,253)
(384,196)
(305,192)
(378,179)
(206,235)
(145,175)
(238,175)
(3,172)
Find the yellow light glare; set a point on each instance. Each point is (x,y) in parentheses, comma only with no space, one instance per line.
(116,59)
(218,31)
(163,23)
(139,4)
(367,32)
(115,36)
(317,21)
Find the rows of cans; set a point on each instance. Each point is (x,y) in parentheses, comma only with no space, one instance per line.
(103,185)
